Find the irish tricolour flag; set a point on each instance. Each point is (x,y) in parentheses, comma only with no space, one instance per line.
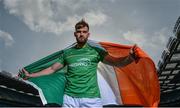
(134,84)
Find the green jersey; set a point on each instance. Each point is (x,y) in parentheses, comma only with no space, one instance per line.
(81,73)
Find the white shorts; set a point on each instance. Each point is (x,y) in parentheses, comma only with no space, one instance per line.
(72,102)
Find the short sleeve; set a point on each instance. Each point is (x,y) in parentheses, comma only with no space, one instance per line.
(61,58)
(102,53)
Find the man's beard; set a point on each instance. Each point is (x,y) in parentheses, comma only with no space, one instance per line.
(81,41)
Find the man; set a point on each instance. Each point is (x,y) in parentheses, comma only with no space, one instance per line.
(81,60)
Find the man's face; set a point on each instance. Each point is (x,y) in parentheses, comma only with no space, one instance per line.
(82,34)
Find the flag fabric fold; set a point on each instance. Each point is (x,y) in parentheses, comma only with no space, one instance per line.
(134,84)
(138,82)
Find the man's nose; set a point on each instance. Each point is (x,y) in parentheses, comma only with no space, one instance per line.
(81,33)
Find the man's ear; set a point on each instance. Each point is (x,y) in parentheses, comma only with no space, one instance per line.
(75,34)
(88,34)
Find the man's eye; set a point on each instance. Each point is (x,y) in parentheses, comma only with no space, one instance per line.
(82,31)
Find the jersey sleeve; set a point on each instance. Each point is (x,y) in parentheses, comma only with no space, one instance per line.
(102,53)
(61,58)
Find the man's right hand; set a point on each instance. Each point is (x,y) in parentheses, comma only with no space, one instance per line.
(27,75)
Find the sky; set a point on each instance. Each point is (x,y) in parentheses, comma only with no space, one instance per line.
(33,29)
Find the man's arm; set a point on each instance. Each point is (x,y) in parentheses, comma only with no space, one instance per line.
(46,71)
(121,61)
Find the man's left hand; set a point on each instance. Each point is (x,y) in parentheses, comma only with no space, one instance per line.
(134,53)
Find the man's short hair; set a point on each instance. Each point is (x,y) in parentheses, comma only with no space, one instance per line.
(81,24)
